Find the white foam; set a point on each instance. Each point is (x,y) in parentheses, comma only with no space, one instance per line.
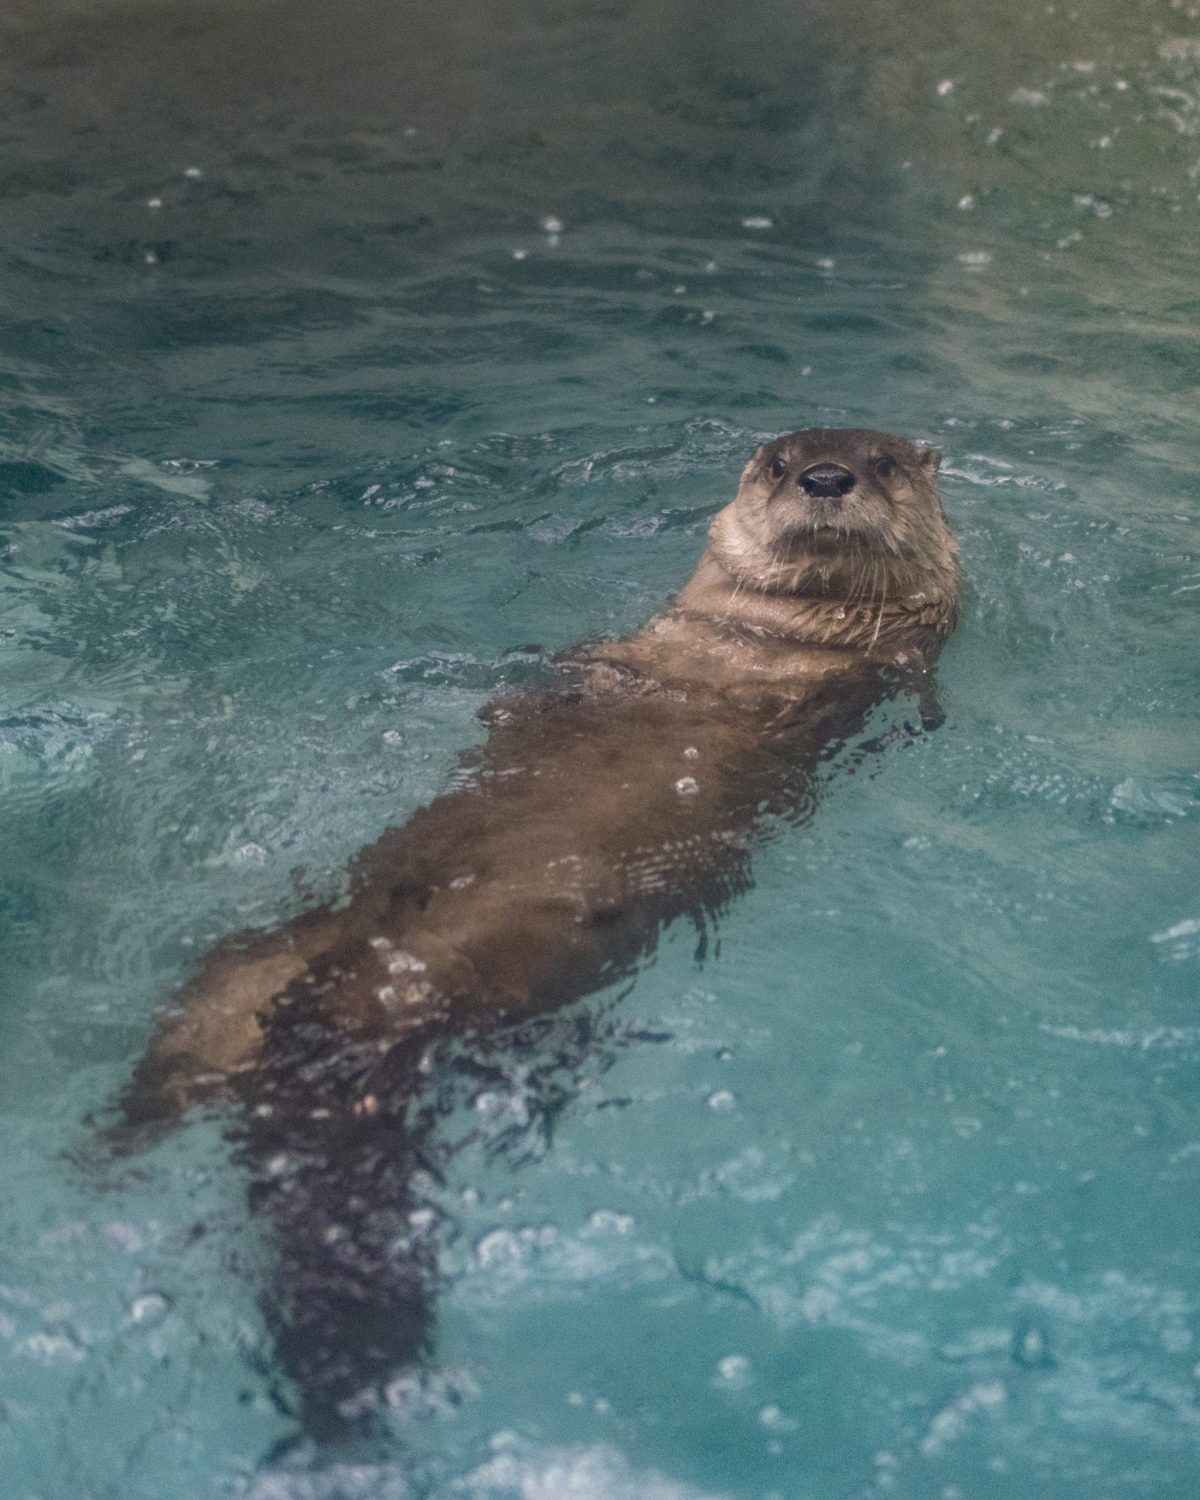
(593,1473)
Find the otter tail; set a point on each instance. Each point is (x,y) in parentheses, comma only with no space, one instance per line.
(334,1143)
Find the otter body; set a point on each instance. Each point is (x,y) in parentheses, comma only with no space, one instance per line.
(592,816)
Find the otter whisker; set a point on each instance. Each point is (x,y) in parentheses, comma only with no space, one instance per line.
(882,606)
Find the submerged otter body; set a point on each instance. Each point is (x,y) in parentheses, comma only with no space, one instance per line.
(593,815)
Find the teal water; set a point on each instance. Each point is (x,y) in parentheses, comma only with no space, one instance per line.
(345,351)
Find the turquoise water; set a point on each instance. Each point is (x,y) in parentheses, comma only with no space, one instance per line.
(347,350)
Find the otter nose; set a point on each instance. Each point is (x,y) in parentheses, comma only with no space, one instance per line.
(826,481)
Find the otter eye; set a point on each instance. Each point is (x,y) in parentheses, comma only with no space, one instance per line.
(778,467)
(884,466)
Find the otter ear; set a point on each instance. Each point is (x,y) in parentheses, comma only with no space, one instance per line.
(930,458)
(753,461)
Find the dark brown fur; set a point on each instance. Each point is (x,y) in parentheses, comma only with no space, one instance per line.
(593,815)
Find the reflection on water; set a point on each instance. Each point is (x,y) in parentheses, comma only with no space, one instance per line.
(348,350)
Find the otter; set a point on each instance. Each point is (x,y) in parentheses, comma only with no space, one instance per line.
(598,810)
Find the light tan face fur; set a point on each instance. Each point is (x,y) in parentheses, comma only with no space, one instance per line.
(847,513)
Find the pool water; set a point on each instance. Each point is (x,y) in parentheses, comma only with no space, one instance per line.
(347,351)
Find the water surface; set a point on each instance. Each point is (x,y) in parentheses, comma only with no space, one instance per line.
(346,351)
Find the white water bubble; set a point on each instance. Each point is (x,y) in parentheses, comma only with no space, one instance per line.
(496,1248)
(605,1219)
(150,1308)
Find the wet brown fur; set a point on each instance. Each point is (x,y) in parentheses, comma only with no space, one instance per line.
(593,815)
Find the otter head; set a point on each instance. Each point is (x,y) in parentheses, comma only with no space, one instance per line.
(846,515)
